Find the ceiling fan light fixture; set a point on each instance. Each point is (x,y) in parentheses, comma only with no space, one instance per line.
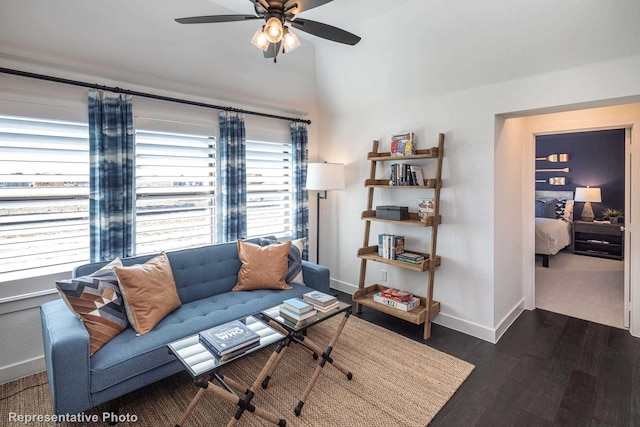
(259,40)
(290,41)
(273,30)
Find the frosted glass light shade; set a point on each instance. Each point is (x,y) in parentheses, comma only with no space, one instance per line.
(325,176)
(273,30)
(290,41)
(259,39)
(588,194)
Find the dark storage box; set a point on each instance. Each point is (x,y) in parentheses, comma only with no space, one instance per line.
(398,213)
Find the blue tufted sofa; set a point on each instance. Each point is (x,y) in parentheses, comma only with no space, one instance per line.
(204,278)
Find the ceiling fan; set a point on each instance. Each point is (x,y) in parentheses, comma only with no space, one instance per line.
(275,33)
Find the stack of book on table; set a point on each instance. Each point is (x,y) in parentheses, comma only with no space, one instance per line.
(296,310)
(397,299)
(229,339)
(321,301)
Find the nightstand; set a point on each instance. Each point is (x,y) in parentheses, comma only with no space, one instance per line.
(599,240)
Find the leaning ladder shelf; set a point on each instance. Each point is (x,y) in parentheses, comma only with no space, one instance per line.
(364,295)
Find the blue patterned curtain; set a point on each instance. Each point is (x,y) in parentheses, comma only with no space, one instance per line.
(233,149)
(112,193)
(300,196)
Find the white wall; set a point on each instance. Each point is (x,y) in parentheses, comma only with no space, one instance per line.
(480,283)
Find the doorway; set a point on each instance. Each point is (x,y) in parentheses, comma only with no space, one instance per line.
(585,278)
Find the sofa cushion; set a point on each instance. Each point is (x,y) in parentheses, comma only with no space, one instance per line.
(97,301)
(149,292)
(128,355)
(263,267)
(294,268)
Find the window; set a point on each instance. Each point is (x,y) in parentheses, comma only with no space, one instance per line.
(269,189)
(175,191)
(44,192)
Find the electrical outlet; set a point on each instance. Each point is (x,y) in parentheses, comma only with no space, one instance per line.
(383,275)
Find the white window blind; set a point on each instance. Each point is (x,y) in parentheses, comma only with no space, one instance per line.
(269,189)
(175,191)
(44,191)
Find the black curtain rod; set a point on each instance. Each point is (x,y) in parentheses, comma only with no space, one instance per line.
(145,95)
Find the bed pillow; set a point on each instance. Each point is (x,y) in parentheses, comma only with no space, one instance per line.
(546,208)
(263,267)
(149,292)
(564,209)
(294,268)
(96,300)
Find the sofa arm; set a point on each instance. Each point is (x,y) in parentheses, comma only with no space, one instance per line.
(66,353)
(316,276)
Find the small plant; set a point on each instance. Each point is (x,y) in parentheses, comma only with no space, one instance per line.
(612,212)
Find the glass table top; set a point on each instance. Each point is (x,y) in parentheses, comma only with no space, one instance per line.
(199,360)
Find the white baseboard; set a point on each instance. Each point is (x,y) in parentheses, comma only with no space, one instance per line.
(452,322)
(507,320)
(22,369)
(343,286)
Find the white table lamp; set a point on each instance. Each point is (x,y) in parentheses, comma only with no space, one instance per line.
(588,195)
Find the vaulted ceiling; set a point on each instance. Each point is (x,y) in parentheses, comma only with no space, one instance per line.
(409,48)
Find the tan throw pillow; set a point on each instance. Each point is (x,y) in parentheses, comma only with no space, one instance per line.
(262,267)
(149,292)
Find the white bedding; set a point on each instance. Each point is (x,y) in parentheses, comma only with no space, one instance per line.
(552,235)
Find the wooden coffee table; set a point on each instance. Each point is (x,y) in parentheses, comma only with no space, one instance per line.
(296,333)
(205,368)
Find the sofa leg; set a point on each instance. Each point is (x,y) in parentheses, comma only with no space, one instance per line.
(113,406)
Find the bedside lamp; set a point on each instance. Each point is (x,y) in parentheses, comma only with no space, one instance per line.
(588,195)
(323,177)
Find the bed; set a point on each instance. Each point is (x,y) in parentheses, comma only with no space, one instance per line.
(554,220)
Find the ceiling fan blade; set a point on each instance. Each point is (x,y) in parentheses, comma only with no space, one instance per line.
(272,50)
(298,6)
(215,18)
(325,31)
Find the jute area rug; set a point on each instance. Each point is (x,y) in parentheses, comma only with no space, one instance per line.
(396,382)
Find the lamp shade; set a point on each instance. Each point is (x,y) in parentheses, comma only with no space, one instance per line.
(325,176)
(588,194)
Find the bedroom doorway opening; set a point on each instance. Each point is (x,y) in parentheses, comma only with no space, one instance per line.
(580,268)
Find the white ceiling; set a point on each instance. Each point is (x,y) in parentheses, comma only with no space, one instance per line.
(409,48)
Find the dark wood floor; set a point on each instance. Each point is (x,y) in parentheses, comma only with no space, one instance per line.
(547,369)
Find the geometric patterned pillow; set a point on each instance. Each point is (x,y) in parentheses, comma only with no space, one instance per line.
(560,205)
(97,301)
(294,275)
(294,269)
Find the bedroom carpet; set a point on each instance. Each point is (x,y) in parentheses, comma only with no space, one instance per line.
(584,287)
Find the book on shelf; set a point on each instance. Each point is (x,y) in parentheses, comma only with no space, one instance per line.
(319,298)
(297,305)
(228,337)
(284,310)
(410,257)
(399,305)
(403,144)
(406,175)
(426,208)
(390,245)
(397,294)
(416,173)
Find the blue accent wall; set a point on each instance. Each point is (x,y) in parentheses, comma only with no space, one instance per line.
(596,159)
